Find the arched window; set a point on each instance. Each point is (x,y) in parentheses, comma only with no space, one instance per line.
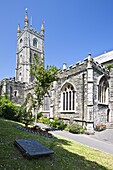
(46,103)
(68,97)
(103,90)
(20,59)
(21,40)
(20,76)
(15,93)
(35,42)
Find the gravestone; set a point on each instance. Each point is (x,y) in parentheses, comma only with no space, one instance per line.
(32,148)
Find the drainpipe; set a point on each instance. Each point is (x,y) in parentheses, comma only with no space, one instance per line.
(83,99)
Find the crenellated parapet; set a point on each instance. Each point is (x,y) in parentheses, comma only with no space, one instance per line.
(81,66)
(30,43)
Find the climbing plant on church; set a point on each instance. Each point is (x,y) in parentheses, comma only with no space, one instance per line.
(44,77)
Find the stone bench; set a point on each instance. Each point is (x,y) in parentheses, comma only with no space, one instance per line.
(32,148)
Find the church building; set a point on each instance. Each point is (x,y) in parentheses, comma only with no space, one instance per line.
(84,92)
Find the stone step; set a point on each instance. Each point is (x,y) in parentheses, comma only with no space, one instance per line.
(109,126)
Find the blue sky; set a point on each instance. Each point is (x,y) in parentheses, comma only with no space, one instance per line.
(73,28)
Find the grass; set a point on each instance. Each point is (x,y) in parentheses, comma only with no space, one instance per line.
(69,155)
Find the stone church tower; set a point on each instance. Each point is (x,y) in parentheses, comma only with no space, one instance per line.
(83,93)
(29,44)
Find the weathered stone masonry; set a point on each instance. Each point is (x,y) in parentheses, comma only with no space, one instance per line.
(84,77)
(84,92)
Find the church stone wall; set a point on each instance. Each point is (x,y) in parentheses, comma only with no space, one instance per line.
(111,95)
(100,110)
(82,76)
(15,90)
(74,76)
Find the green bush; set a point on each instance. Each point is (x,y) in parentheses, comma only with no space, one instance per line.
(44,120)
(39,114)
(57,123)
(61,125)
(8,110)
(76,128)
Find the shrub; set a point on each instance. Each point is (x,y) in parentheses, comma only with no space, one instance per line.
(8,110)
(62,126)
(39,114)
(76,128)
(57,123)
(67,128)
(44,120)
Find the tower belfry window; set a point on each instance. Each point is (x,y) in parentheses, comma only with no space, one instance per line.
(35,42)
(21,40)
(20,59)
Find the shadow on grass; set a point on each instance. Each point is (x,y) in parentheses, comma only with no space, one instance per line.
(62,159)
(67,160)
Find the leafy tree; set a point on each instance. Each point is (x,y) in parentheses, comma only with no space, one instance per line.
(26,108)
(44,77)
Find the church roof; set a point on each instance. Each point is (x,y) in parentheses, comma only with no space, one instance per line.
(103,58)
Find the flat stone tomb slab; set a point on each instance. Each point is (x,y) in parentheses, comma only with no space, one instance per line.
(32,148)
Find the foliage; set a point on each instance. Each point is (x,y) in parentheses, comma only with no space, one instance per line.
(76,128)
(44,120)
(39,114)
(26,117)
(8,110)
(25,113)
(44,77)
(68,154)
(56,122)
(109,66)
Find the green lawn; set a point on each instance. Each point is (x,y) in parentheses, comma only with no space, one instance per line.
(69,155)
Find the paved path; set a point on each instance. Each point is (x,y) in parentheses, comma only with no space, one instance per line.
(90,140)
(100,140)
(106,136)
